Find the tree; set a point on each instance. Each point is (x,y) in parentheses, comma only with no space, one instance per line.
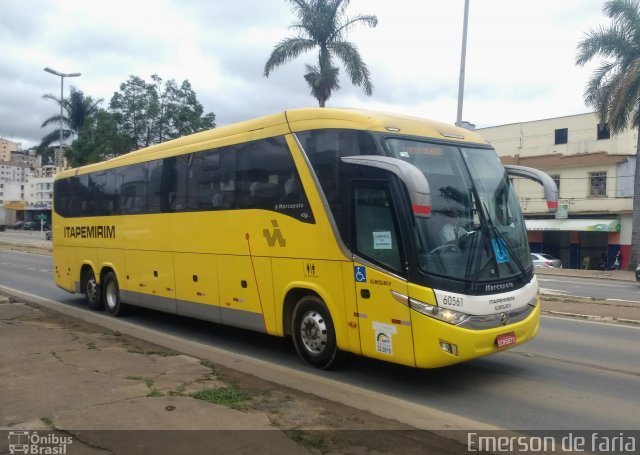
(323,24)
(150,113)
(78,108)
(98,140)
(614,88)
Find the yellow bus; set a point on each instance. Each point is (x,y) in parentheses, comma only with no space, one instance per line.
(349,231)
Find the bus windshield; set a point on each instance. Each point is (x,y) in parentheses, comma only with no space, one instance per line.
(476,231)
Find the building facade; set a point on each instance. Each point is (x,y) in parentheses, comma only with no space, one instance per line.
(26,187)
(594,171)
(6,147)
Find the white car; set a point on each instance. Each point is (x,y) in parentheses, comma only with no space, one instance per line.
(545,260)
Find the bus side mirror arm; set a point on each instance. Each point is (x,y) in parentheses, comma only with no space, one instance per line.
(415,181)
(550,188)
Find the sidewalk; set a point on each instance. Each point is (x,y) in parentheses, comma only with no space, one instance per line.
(111,393)
(64,374)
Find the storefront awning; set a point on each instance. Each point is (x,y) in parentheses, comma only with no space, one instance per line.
(587,224)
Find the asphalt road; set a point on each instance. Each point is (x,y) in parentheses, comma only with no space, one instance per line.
(575,375)
(626,291)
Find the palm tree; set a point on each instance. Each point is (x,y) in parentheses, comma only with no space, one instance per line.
(78,107)
(323,24)
(614,88)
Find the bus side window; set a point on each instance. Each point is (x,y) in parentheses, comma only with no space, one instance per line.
(133,188)
(154,186)
(178,200)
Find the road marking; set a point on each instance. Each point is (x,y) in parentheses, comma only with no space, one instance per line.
(546,291)
(582,318)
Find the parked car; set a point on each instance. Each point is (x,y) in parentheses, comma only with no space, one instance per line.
(17,225)
(31,226)
(545,260)
(638,273)
(48,235)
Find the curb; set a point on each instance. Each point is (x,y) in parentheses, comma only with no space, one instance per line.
(614,276)
(590,317)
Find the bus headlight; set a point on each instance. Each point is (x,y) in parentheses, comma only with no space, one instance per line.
(442,314)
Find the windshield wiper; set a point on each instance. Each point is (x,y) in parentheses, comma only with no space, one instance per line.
(497,233)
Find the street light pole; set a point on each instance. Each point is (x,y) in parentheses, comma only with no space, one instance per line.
(462,63)
(62,76)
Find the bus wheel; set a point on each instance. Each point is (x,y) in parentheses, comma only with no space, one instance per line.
(111,295)
(314,336)
(91,290)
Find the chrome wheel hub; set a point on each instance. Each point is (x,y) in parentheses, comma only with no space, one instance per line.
(92,290)
(313,331)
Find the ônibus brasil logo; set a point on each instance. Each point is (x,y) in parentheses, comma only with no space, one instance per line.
(30,442)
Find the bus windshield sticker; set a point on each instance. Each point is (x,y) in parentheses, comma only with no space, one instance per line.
(382,240)
(423,150)
(500,249)
(360,273)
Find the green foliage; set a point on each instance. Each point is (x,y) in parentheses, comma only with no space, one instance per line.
(141,114)
(323,24)
(98,140)
(77,110)
(48,421)
(150,113)
(227,396)
(614,89)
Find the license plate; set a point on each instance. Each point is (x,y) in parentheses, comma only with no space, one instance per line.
(506,339)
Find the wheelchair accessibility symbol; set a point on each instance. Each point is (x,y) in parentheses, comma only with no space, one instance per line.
(360,273)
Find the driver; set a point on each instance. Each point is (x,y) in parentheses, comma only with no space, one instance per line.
(452,229)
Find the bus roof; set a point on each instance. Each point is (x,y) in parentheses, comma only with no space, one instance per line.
(293,120)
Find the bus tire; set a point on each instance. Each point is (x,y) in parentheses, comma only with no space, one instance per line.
(314,335)
(111,295)
(91,289)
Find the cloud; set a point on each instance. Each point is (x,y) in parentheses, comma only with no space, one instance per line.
(520,57)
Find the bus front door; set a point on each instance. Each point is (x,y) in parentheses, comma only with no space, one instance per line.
(383,315)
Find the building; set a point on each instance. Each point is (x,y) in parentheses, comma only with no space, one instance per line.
(28,157)
(15,171)
(13,192)
(41,192)
(6,147)
(594,171)
(26,187)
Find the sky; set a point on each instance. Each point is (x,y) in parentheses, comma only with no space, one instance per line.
(520,59)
